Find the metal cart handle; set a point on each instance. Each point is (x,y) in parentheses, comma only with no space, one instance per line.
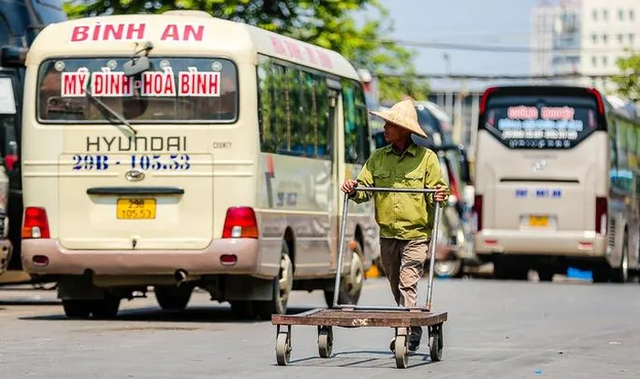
(432,248)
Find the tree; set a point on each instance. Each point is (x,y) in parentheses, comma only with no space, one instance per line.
(326,23)
(627,81)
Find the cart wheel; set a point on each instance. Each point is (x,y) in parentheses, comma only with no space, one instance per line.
(402,357)
(325,341)
(436,343)
(283,349)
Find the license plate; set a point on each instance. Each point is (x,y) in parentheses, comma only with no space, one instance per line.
(136,209)
(538,221)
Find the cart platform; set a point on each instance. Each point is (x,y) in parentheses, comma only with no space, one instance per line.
(357,318)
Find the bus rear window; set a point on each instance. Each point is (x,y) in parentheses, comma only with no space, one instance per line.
(189,90)
(540,122)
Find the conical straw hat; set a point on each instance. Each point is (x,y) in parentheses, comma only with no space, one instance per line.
(404,115)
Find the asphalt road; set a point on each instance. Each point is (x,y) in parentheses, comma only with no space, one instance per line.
(495,330)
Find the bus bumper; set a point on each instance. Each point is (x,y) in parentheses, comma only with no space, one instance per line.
(519,242)
(61,261)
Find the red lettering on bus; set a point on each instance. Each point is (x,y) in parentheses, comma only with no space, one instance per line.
(294,50)
(138,29)
(325,60)
(170,32)
(522,113)
(97,84)
(79,33)
(311,55)
(113,31)
(73,83)
(277,45)
(190,32)
(158,83)
(194,83)
(108,32)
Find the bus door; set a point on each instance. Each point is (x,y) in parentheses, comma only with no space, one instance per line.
(136,170)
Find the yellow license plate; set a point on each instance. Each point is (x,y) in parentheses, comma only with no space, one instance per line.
(538,221)
(136,209)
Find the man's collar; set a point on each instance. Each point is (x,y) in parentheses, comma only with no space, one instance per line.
(412,149)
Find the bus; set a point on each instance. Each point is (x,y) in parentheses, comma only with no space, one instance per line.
(556,183)
(179,150)
(20,22)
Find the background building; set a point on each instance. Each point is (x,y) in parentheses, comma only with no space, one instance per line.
(584,37)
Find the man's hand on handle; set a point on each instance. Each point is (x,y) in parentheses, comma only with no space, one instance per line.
(349,186)
(440,194)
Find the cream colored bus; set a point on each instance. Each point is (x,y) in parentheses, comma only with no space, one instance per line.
(181,151)
(557,183)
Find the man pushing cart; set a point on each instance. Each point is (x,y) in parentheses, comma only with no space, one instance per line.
(405,220)
(402,176)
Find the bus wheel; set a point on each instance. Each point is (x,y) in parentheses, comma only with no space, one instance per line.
(77,308)
(105,309)
(601,274)
(173,297)
(352,282)
(450,268)
(282,286)
(621,274)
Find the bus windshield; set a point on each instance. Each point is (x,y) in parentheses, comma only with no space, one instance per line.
(541,122)
(183,90)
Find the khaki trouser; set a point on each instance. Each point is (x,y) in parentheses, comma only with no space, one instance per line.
(403,263)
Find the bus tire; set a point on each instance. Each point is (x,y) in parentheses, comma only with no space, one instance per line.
(173,297)
(621,274)
(77,309)
(351,288)
(601,274)
(105,309)
(282,287)
(450,268)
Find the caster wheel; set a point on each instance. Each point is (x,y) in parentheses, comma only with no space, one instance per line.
(436,343)
(325,341)
(400,350)
(283,349)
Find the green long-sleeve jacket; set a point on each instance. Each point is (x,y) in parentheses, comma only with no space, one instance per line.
(404,216)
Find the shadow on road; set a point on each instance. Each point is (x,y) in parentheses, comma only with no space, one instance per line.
(194,314)
(30,302)
(362,359)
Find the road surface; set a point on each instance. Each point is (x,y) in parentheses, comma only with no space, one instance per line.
(495,330)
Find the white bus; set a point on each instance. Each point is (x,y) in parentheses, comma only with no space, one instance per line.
(180,150)
(556,183)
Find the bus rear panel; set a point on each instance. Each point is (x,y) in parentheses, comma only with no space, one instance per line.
(541,180)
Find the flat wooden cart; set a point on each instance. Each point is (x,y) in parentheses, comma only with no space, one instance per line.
(353,316)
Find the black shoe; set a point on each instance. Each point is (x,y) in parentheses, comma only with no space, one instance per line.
(414,345)
(392,346)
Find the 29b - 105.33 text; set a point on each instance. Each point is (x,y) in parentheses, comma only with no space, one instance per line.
(145,162)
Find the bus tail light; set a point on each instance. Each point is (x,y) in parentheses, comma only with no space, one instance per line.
(240,222)
(36,224)
(601,215)
(477,212)
(598,96)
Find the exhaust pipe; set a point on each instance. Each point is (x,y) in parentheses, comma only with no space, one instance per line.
(180,275)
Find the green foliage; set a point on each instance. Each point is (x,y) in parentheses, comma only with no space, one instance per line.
(326,23)
(627,81)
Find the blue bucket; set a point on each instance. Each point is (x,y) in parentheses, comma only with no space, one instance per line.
(574,273)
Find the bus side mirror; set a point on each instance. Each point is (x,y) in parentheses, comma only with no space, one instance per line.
(136,66)
(13,56)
